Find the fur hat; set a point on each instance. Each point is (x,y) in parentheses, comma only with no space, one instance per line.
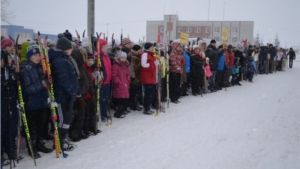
(195,47)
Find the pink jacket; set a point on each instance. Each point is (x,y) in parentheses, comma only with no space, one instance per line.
(121,79)
(207,71)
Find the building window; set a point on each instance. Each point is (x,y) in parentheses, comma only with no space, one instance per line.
(161,29)
(216,38)
(217,29)
(207,29)
(234,40)
(197,30)
(188,30)
(180,29)
(235,30)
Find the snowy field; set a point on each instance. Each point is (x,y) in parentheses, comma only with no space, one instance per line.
(256,126)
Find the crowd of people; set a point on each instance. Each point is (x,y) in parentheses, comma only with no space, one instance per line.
(132,78)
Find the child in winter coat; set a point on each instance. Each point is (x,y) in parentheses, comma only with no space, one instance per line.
(36,99)
(8,102)
(235,72)
(121,79)
(251,68)
(208,76)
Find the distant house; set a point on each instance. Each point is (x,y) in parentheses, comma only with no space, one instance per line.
(25,34)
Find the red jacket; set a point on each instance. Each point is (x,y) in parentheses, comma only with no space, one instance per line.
(90,70)
(231,59)
(148,74)
(176,58)
(106,62)
(121,79)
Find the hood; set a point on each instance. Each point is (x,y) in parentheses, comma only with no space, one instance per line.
(135,53)
(24,47)
(54,53)
(102,43)
(78,57)
(117,61)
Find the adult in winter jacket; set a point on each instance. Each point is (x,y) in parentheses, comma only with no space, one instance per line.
(272,53)
(221,66)
(35,98)
(176,71)
(121,79)
(292,57)
(187,70)
(229,65)
(135,85)
(148,76)
(239,54)
(8,102)
(196,71)
(66,89)
(279,59)
(211,53)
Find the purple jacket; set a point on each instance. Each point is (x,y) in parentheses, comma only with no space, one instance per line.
(121,79)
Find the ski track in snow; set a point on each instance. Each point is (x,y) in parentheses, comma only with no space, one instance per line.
(253,126)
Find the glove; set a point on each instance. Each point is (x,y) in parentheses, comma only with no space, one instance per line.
(17,76)
(156,63)
(46,83)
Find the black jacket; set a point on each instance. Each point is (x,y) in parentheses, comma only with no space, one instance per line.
(196,65)
(211,53)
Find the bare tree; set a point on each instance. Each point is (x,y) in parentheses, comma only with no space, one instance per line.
(6,14)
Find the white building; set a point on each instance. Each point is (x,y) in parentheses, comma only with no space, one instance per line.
(237,30)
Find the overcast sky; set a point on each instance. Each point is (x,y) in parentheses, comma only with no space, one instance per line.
(55,16)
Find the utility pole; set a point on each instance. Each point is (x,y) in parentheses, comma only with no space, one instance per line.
(91,18)
(208,9)
(224,12)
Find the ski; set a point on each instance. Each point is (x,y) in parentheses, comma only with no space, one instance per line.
(78,36)
(168,69)
(98,81)
(21,109)
(83,34)
(53,104)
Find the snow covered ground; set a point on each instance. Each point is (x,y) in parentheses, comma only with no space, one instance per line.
(253,126)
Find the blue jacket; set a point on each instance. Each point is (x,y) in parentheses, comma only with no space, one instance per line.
(187,62)
(34,93)
(221,62)
(64,76)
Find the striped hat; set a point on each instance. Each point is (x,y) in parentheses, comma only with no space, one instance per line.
(126,41)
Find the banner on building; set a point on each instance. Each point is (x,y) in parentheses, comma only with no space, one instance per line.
(224,33)
(184,38)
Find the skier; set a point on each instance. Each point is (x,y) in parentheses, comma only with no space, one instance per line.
(85,85)
(8,102)
(148,76)
(176,61)
(121,79)
(135,85)
(66,89)
(35,95)
(292,57)
(90,100)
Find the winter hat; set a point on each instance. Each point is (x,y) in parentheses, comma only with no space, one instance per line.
(6,42)
(220,47)
(85,42)
(207,59)
(126,41)
(136,47)
(32,49)
(230,47)
(212,41)
(63,43)
(195,47)
(90,56)
(121,55)
(68,35)
(148,45)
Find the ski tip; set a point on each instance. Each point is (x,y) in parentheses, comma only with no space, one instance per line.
(65,155)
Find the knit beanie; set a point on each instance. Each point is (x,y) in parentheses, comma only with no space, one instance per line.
(32,49)
(85,42)
(63,43)
(6,42)
(212,41)
(90,56)
(68,35)
(148,45)
(136,47)
(121,55)
(126,41)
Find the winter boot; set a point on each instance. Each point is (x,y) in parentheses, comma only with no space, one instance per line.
(36,155)
(42,148)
